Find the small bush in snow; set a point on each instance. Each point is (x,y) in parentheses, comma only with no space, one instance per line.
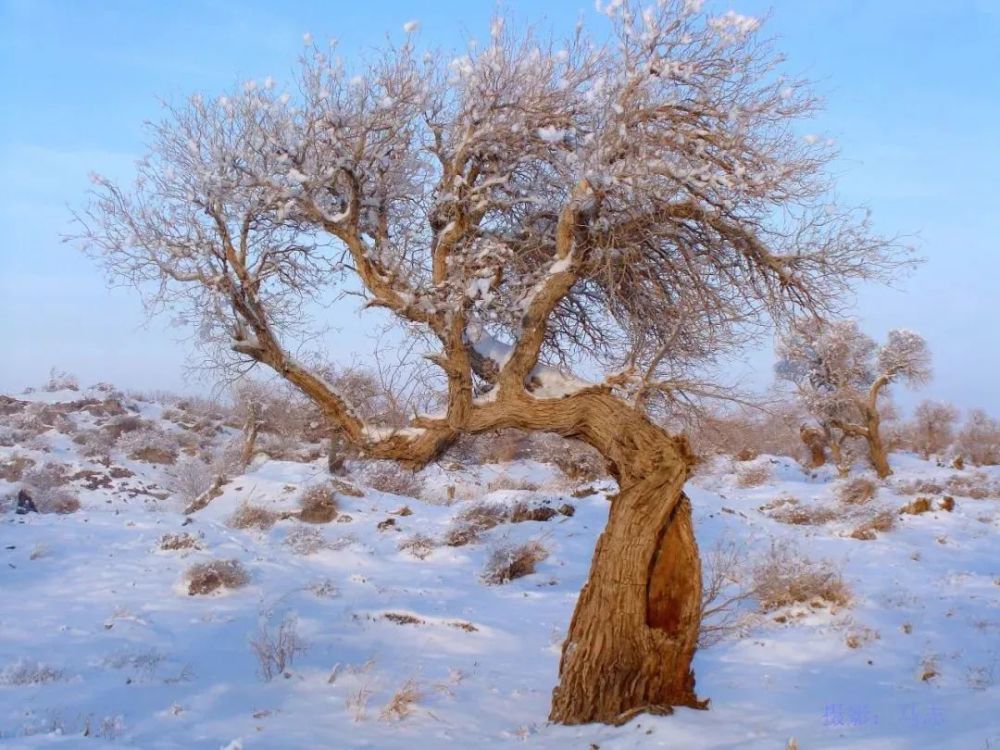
(507,562)
(401,703)
(504,482)
(857,491)
(276,648)
(879,523)
(727,587)
(785,576)
(248,516)
(181,541)
(916,507)
(303,540)
(151,445)
(318,504)
(394,479)
(418,545)
(207,577)
(29,673)
(60,380)
(979,439)
(60,501)
(13,467)
(804,515)
(753,475)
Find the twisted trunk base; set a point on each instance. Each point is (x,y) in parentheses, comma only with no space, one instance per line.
(635,629)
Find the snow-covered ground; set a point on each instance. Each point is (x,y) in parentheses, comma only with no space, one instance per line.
(102,646)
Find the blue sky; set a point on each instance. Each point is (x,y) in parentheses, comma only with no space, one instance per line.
(912,94)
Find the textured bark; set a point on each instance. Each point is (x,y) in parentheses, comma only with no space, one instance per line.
(876,448)
(816,442)
(250,429)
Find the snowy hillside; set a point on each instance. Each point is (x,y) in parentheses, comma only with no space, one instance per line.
(397,639)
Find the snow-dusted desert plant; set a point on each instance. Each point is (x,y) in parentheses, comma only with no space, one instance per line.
(630,204)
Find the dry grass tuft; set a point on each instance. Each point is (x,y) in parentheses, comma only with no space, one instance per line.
(918,506)
(180,541)
(345,488)
(879,523)
(507,562)
(858,637)
(207,577)
(24,672)
(59,500)
(523,512)
(482,516)
(248,516)
(504,482)
(418,545)
(402,618)
(394,479)
(857,491)
(805,515)
(303,540)
(753,475)
(401,703)
(318,504)
(785,576)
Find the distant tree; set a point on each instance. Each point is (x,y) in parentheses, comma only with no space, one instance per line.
(840,373)
(632,203)
(933,427)
(979,439)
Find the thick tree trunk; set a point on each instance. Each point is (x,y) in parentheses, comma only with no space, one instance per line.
(876,448)
(635,629)
(816,442)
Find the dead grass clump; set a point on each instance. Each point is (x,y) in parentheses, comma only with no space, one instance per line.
(401,703)
(859,637)
(459,536)
(204,578)
(947,503)
(180,541)
(580,463)
(401,618)
(276,649)
(318,504)
(857,491)
(248,516)
(785,576)
(59,500)
(345,488)
(523,512)
(153,445)
(504,482)
(303,540)
(29,673)
(879,523)
(418,545)
(977,486)
(394,479)
(805,515)
(483,516)
(753,475)
(918,506)
(13,468)
(507,562)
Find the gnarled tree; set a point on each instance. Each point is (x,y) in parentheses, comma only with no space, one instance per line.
(840,374)
(631,204)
